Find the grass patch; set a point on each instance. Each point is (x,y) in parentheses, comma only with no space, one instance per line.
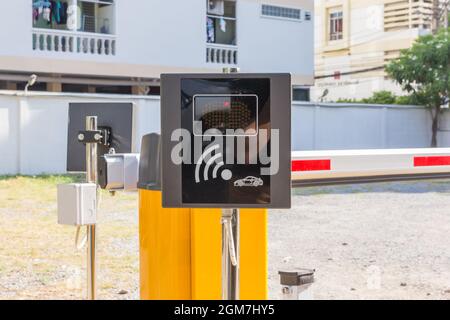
(35,248)
(46,179)
(22,190)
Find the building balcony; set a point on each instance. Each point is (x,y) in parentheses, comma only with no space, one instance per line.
(221,54)
(72,42)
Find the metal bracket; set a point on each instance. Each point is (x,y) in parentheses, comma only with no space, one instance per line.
(230,254)
(101,136)
(227,221)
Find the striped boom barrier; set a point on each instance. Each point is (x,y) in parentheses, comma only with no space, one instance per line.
(315,168)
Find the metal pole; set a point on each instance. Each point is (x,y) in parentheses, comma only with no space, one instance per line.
(230,254)
(91,177)
(230,245)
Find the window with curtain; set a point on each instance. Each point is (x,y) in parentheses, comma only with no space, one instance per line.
(336,22)
(221,22)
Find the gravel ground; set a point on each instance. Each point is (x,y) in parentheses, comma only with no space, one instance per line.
(379,241)
(38,258)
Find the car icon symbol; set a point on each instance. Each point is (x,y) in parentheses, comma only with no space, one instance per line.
(249,182)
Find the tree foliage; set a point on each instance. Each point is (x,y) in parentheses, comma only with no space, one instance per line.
(424,72)
(387,97)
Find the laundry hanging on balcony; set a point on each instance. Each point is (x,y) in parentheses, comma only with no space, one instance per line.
(35,14)
(223,25)
(210,31)
(47,15)
(56,11)
(41,4)
(41,7)
(53,11)
(59,12)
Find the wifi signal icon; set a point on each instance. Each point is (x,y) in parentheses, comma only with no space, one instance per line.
(217,160)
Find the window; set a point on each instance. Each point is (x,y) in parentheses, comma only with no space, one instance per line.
(113,89)
(39,86)
(300,94)
(336,25)
(308,16)
(221,22)
(95,16)
(280,12)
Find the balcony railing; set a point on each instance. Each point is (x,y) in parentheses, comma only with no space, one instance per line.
(74,42)
(221,54)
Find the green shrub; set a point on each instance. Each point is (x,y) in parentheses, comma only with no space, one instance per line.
(386,97)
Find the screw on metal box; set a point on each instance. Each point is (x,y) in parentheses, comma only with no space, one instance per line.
(296,284)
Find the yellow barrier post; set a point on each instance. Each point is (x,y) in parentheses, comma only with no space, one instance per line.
(180,251)
(165,249)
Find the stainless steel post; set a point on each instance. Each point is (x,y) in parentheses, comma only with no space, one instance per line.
(91,177)
(230,254)
(230,245)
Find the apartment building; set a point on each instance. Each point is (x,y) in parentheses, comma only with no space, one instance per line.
(355,39)
(122,46)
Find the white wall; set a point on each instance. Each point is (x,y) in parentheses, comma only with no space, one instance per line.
(161,32)
(351,87)
(273,45)
(173,34)
(341,126)
(15,37)
(39,143)
(9,135)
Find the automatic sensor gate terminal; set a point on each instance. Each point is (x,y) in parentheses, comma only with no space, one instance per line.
(226,140)
(223,158)
(226,143)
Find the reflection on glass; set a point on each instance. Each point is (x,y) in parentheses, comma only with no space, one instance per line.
(232,112)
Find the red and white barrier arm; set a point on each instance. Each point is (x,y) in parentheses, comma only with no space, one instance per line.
(312,168)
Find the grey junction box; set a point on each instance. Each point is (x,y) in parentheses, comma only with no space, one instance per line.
(77,204)
(119,171)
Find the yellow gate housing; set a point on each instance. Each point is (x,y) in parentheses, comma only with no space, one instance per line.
(180,252)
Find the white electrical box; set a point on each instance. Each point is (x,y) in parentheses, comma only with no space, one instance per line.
(77,204)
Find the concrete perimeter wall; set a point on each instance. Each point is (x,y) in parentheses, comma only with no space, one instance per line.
(33,128)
